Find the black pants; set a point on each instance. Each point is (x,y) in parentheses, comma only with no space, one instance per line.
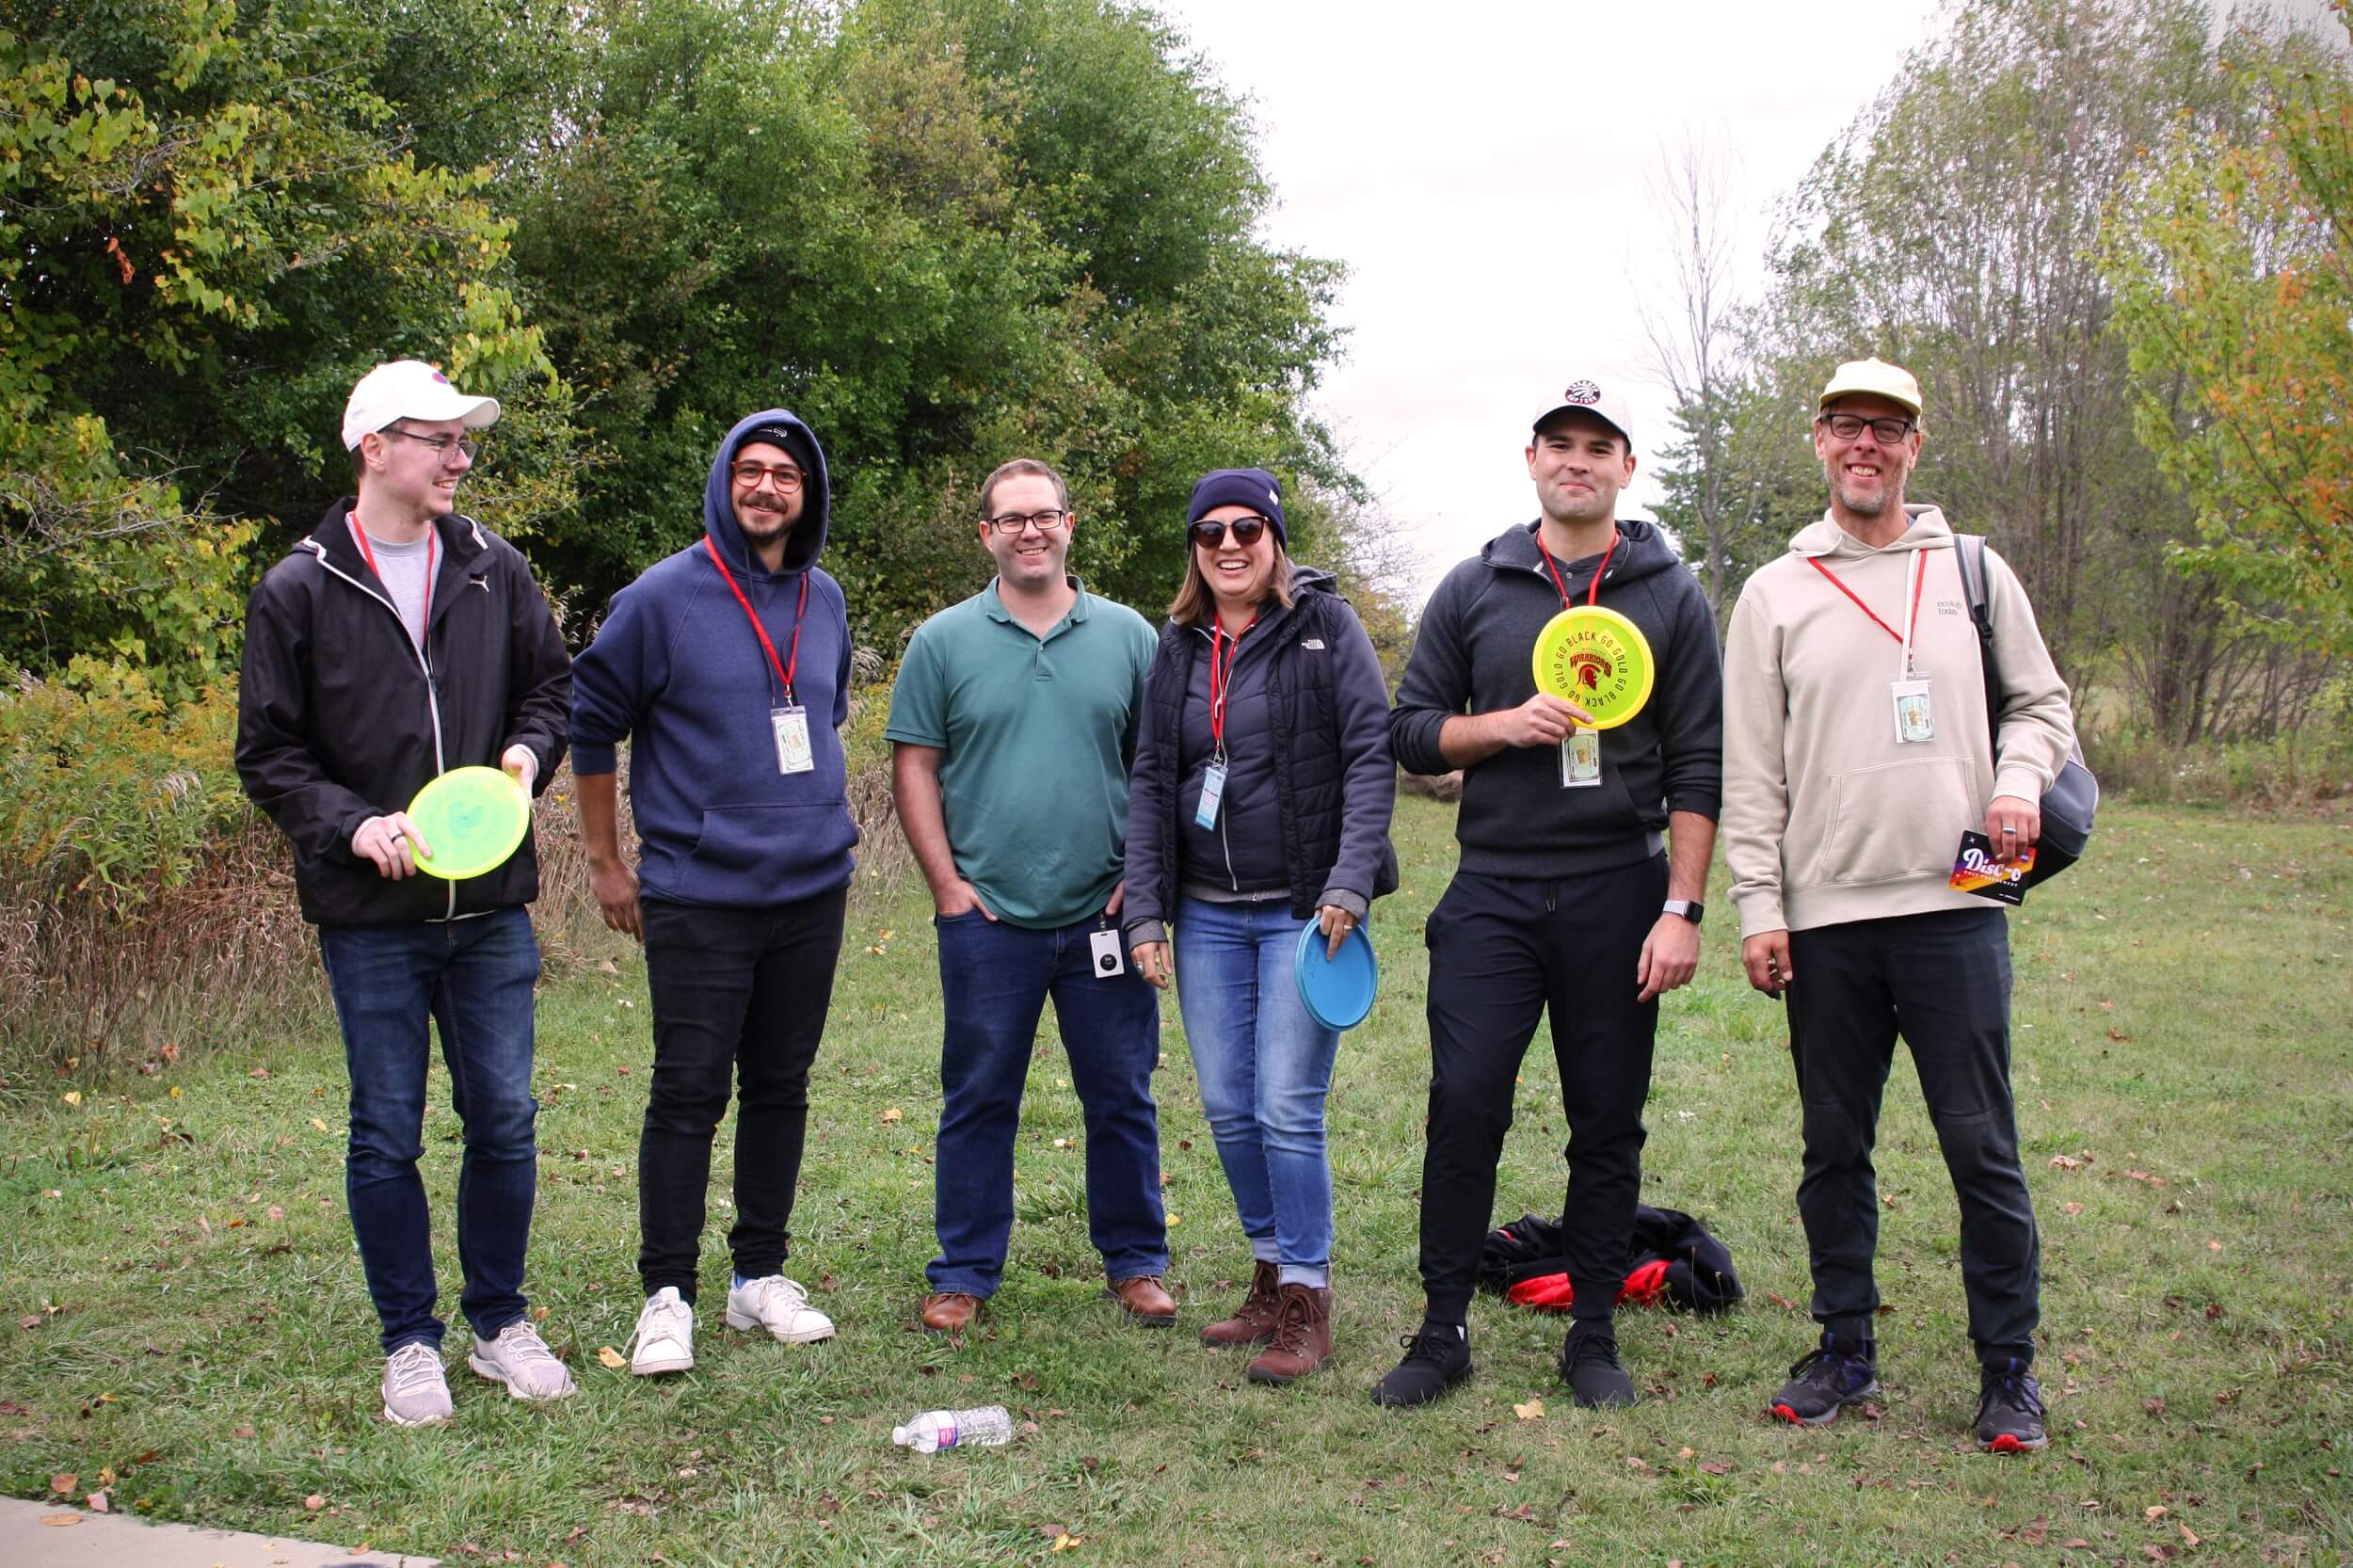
(745,989)
(1941,980)
(1503,951)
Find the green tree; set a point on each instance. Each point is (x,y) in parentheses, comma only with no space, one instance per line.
(2232,263)
(210,224)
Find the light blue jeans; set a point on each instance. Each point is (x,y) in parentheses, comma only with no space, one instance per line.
(1265,1069)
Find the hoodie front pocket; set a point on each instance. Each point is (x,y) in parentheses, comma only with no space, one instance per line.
(1896,820)
(760,837)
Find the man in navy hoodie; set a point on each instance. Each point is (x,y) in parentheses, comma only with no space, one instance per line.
(727,665)
(1565,902)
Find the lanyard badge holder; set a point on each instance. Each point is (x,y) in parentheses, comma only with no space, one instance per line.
(789,722)
(1909,698)
(1220,679)
(1103,948)
(1580,748)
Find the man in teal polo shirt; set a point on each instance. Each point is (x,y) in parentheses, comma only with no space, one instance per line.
(1014,721)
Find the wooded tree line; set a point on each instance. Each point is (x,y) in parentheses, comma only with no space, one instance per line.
(2116,246)
(945,232)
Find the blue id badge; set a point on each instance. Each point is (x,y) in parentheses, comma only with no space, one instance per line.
(1212,795)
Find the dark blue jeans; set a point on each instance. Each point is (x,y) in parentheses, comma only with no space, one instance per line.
(1941,980)
(993,979)
(473,979)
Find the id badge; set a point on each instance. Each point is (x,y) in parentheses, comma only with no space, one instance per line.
(1104,949)
(1580,760)
(1916,722)
(791,724)
(1212,794)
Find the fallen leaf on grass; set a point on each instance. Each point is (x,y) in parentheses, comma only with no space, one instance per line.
(72,1097)
(1636,1465)
(64,1482)
(258,1073)
(2065,1162)
(316,1123)
(893,1114)
(612,1357)
(1532,1411)
(1715,1467)
(2035,1532)
(1782,1302)
(31,1320)
(1067,1542)
(2073,1209)
(314,1503)
(2189,1537)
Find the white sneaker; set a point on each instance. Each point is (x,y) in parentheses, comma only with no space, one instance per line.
(775,1303)
(416,1391)
(665,1339)
(521,1360)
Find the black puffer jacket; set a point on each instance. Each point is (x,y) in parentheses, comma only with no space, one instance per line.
(338,720)
(1335,784)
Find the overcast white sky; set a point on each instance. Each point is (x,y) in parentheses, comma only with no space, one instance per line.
(1481,167)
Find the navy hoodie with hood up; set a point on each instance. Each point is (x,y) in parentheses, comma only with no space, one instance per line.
(678,671)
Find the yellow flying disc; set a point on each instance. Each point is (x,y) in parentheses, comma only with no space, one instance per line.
(474,818)
(1599,659)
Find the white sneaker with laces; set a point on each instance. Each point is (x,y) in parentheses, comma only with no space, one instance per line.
(416,1390)
(665,1339)
(775,1303)
(521,1360)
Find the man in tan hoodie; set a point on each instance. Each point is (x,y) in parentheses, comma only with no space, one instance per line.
(1857,752)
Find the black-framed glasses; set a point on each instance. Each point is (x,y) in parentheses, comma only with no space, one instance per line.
(1847,426)
(1209,535)
(1013,522)
(788,480)
(441,444)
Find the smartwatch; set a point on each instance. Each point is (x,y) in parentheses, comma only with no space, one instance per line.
(1689,908)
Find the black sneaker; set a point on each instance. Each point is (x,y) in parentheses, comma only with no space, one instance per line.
(2009,1411)
(1589,1365)
(1437,1356)
(1840,1371)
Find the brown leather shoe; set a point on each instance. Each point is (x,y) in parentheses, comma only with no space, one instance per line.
(1253,1323)
(950,1311)
(1145,1299)
(1303,1337)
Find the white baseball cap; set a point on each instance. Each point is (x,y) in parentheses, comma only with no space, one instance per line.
(1876,377)
(410,389)
(1587,395)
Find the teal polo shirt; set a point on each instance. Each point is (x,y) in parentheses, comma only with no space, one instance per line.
(1036,735)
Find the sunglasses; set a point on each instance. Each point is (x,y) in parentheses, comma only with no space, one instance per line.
(1211,534)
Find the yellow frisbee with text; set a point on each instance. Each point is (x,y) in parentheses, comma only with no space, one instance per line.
(1599,659)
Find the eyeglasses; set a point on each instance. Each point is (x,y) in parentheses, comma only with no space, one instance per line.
(788,480)
(1208,535)
(1013,522)
(441,444)
(1847,426)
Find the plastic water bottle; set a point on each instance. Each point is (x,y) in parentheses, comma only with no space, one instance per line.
(935,1429)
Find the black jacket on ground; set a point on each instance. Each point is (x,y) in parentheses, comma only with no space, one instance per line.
(1316,750)
(338,722)
(1475,654)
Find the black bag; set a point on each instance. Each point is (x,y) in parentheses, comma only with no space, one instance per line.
(2073,797)
(1672,1261)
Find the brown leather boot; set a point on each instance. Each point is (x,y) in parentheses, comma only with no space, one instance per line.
(1303,1337)
(1145,1299)
(1253,1323)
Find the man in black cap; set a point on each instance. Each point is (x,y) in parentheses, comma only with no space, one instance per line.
(1565,900)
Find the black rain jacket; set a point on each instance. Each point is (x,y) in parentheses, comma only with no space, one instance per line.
(340,719)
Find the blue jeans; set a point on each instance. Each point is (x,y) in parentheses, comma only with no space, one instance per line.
(1265,1067)
(473,979)
(993,979)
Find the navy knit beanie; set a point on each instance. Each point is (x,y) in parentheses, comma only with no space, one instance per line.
(1253,488)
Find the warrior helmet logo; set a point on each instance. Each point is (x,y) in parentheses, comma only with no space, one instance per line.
(1591,670)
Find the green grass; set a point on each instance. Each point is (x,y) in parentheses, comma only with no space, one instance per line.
(198,1326)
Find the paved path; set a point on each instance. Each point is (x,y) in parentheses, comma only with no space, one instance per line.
(112,1541)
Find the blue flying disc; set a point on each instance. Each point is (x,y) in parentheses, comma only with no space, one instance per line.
(1338,991)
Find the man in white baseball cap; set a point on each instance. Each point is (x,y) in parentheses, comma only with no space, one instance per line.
(400,640)
(1566,902)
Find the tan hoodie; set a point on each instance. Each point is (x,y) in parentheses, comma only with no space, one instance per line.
(1826,818)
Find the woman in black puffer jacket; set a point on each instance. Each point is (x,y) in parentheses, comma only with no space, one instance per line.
(1260,798)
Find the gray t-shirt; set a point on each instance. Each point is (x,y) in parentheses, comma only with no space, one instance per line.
(403,569)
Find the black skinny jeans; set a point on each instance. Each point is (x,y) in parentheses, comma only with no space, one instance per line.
(1503,953)
(733,989)
(1942,981)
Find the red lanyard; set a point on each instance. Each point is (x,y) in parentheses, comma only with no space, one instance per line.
(1919,577)
(1593,590)
(369,551)
(784,668)
(1220,677)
